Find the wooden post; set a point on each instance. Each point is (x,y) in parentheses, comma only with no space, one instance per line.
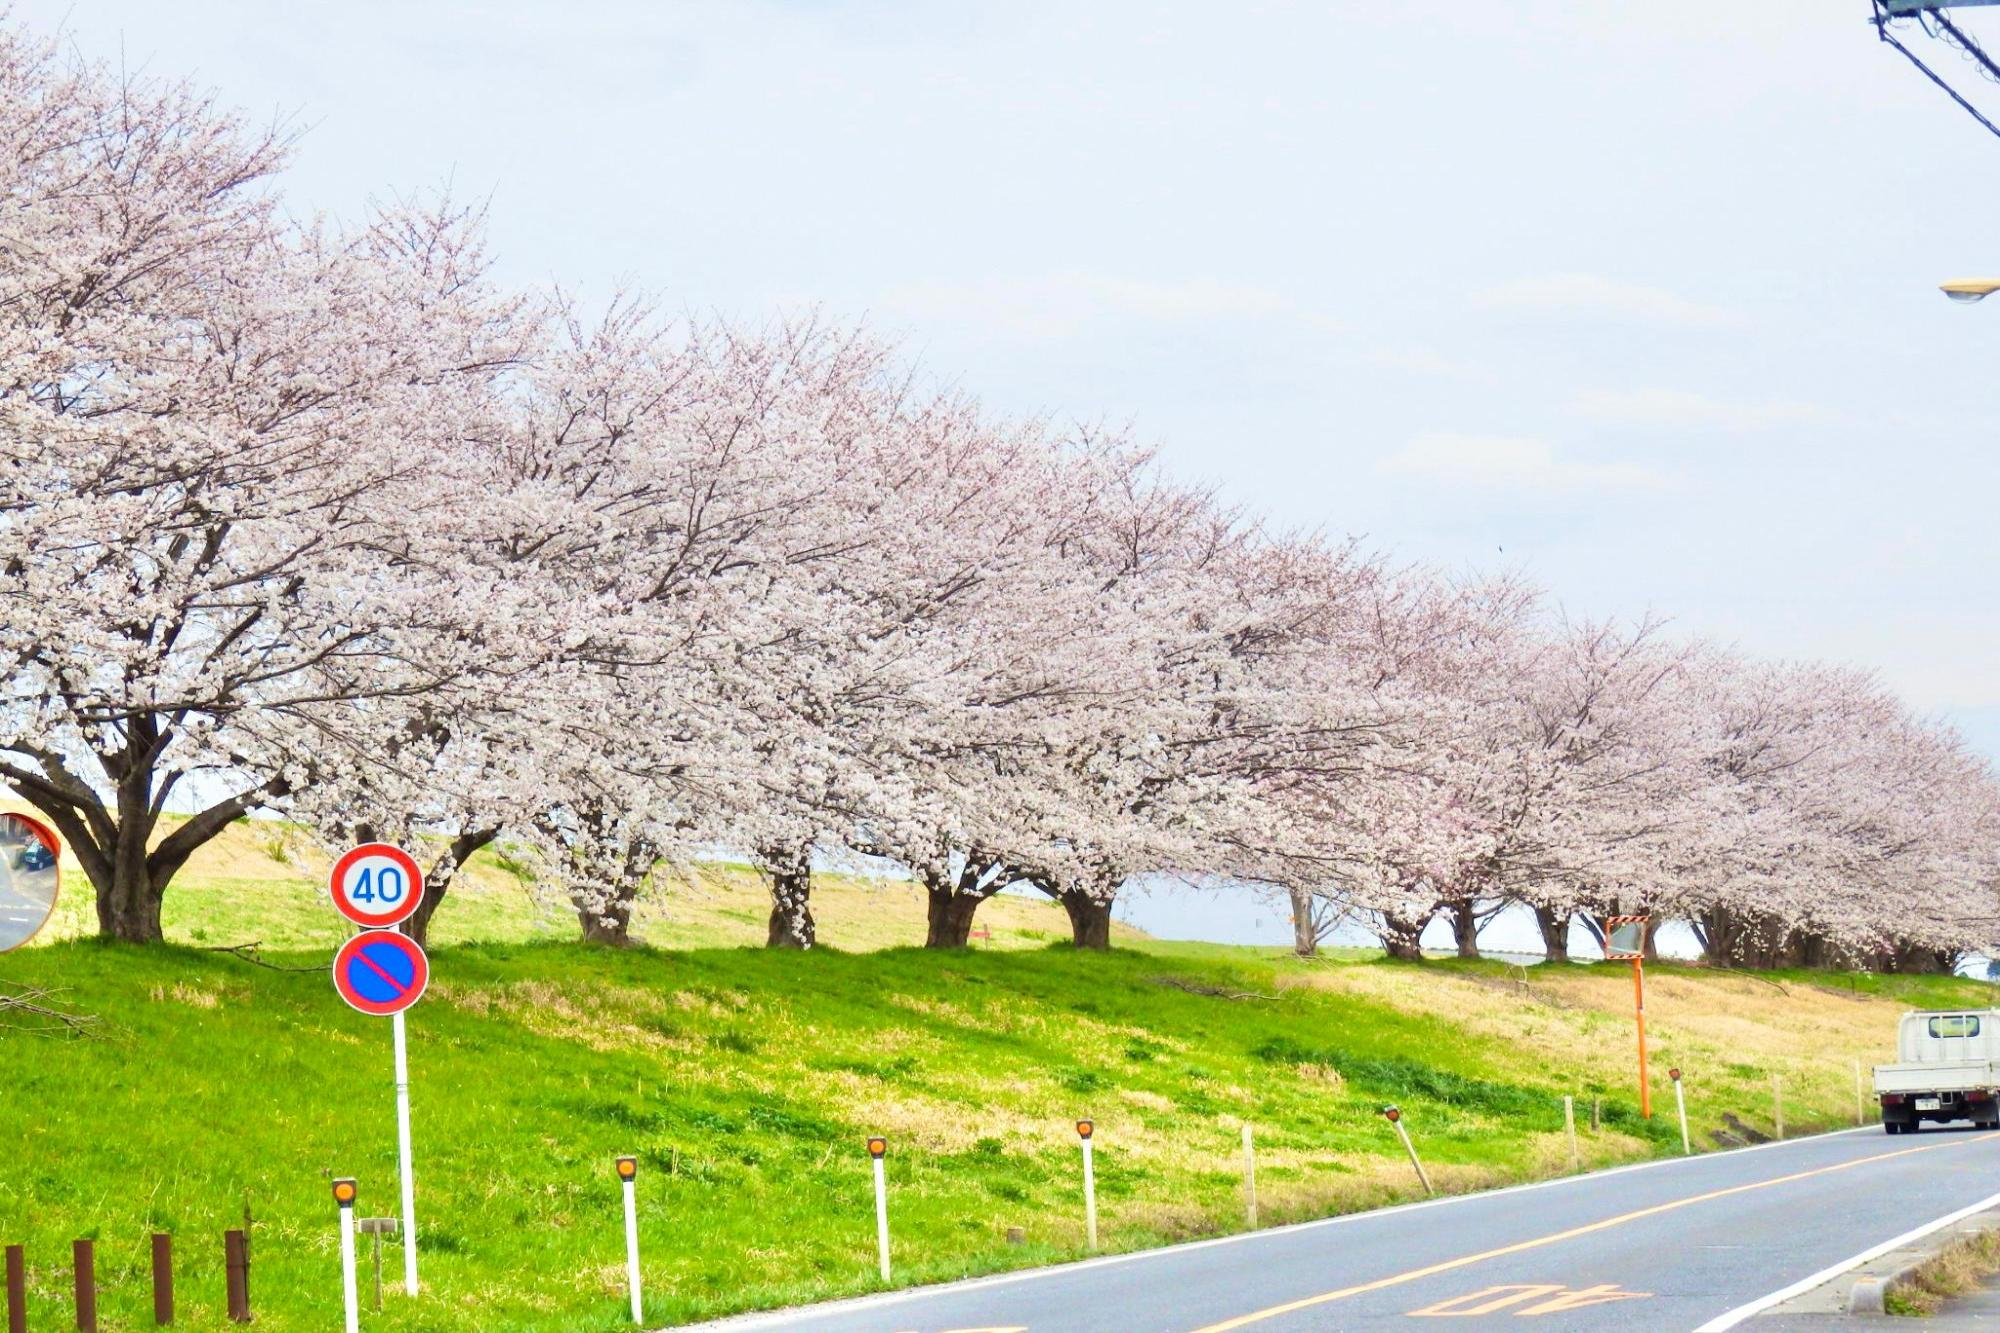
(1596,1114)
(17,1290)
(85,1256)
(1778,1103)
(1249,1179)
(1569,1128)
(163,1278)
(236,1268)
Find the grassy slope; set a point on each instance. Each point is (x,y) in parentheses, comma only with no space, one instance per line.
(746,1080)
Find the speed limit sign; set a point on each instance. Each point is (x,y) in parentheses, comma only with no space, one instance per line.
(376,885)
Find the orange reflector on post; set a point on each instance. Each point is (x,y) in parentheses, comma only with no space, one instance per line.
(1392,1113)
(877,1146)
(343,1193)
(628,1167)
(1084,1128)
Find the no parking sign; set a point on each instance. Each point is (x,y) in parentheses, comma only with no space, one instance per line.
(380,972)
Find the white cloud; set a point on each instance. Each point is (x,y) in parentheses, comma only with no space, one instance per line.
(1428,361)
(1590,293)
(1059,305)
(1503,462)
(1675,407)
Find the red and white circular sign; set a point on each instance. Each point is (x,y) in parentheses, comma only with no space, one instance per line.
(376,885)
(381,972)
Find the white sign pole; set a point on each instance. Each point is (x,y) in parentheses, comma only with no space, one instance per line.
(632,1247)
(1681,1105)
(881,1218)
(1249,1178)
(348,1289)
(403,1157)
(1089,1196)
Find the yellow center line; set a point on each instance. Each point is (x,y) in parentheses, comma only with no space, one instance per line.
(1416,1274)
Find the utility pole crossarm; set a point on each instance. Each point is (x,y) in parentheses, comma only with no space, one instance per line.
(1902,9)
(1930,16)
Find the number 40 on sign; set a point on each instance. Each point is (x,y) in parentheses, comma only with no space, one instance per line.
(376,886)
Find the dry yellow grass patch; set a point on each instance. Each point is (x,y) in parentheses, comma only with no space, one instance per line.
(601,1020)
(1152,1101)
(914,1122)
(1961,1267)
(181,993)
(1579,1020)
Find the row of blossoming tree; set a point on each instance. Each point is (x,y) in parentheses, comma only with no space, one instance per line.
(321,521)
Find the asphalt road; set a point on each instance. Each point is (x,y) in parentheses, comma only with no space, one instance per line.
(1678,1244)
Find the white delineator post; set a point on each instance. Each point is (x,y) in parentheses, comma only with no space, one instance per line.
(1395,1117)
(628,1175)
(403,1157)
(1778,1103)
(1569,1128)
(1860,1115)
(1681,1106)
(877,1147)
(343,1195)
(1084,1129)
(1249,1178)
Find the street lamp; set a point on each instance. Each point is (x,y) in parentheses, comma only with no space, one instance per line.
(1968,290)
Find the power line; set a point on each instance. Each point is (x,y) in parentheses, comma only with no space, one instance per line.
(1965,44)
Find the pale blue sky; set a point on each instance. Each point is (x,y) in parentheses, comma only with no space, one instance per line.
(1639,298)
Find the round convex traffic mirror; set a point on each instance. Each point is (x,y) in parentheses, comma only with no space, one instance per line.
(28,879)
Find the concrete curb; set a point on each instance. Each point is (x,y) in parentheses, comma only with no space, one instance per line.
(1864,1288)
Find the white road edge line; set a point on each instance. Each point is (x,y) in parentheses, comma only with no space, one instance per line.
(1805,1284)
(775,1318)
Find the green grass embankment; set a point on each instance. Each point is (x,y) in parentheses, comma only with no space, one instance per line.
(746,1080)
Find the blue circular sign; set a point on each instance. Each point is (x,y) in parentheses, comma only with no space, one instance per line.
(380,972)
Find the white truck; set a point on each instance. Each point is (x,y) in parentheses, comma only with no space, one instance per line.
(1947,1068)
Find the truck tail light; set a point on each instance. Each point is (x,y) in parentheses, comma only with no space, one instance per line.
(1979,1095)
(1892,1099)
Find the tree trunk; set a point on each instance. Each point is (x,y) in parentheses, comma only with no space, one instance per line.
(609,925)
(1917,959)
(1305,929)
(951,916)
(1089,918)
(1402,937)
(790,873)
(438,878)
(1465,926)
(1554,926)
(605,903)
(128,904)
(1721,935)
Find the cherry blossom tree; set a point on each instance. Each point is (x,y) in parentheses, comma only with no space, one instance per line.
(220,435)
